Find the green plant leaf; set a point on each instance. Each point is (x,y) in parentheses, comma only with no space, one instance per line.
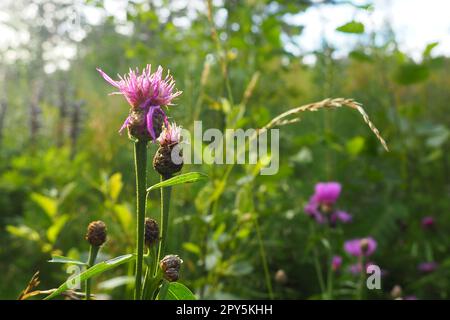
(24,232)
(55,229)
(352,27)
(124,215)
(115,185)
(113,283)
(178,291)
(49,205)
(181,179)
(429,48)
(411,73)
(95,270)
(355,145)
(192,247)
(61,259)
(360,56)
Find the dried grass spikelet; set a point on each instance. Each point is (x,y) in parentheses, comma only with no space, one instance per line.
(328,103)
(28,291)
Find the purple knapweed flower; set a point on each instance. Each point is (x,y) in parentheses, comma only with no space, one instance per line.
(321,206)
(360,247)
(428,223)
(146,92)
(171,134)
(336,263)
(427,267)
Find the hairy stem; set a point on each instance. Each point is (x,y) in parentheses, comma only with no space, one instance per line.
(140,157)
(93,251)
(164,219)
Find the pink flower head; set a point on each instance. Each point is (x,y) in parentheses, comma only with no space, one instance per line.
(427,267)
(145,92)
(336,263)
(428,222)
(341,216)
(171,134)
(360,247)
(321,205)
(327,193)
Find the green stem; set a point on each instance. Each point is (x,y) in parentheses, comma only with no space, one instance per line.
(317,262)
(93,251)
(262,252)
(140,158)
(319,271)
(330,277)
(164,219)
(361,279)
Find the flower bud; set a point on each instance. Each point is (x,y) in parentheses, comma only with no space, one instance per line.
(364,245)
(396,292)
(151,232)
(96,233)
(281,277)
(136,124)
(170,266)
(169,158)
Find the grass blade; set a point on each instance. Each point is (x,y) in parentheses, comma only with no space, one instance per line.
(180,179)
(95,270)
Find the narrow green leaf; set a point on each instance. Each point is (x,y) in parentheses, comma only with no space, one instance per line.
(95,270)
(55,229)
(181,179)
(429,48)
(24,232)
(115,185)
(352,27)
(178,291)
(192,247)
(49,205)
(61,259)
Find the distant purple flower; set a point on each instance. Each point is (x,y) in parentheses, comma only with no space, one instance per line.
(342,216)
(327,192)
(321,205)
(410,298)
(427,267)
(146,92)
(336,263)
(360,247)
(428,222)
(355,268)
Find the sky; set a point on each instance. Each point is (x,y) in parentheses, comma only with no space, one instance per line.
(416,23)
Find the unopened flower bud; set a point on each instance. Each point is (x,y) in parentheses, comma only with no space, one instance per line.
(96,233)
(171,274)
(396,292)
(151,232)
(364,245)
(169,158)
(281,277)
(170,266)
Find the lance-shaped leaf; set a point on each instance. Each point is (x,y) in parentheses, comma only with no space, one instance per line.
(94,271)
(180,179)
